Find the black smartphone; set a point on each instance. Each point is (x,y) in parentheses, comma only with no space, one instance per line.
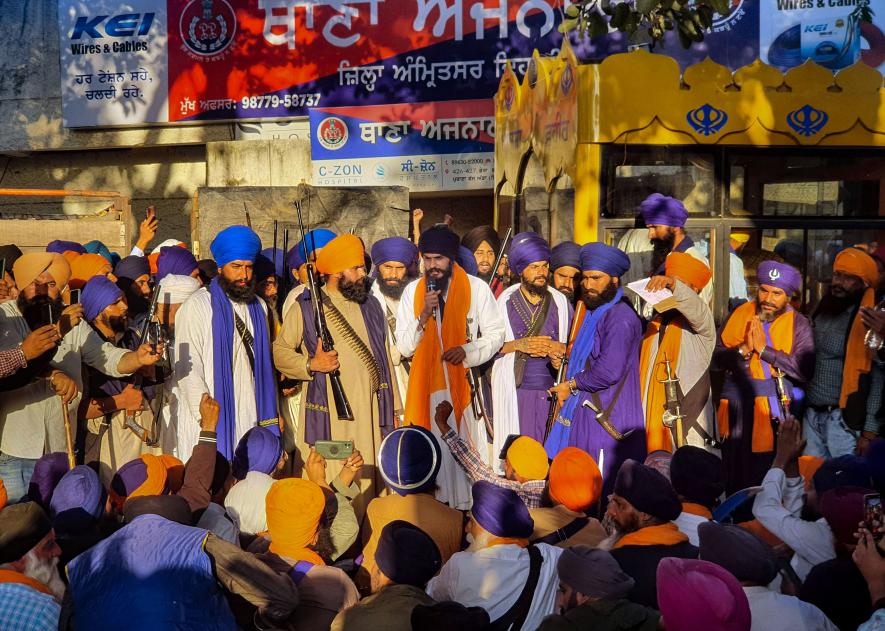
(75,296)
(49,315)
(873,519)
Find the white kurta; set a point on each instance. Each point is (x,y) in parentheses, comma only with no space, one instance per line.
(483,315)
(195,373)
(503,377)
(402,377)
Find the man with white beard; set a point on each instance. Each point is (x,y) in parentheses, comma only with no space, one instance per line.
(31,589)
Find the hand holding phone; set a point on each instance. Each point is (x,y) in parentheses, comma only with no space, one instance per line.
(873,516)
(334,449)
(75,297)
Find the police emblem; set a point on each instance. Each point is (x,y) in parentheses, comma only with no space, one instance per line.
(332,133)
(207,27)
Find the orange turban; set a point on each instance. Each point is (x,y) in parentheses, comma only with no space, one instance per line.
(688,269)
(29,266)
(808,466)
(528,458)
(152,261)
(85,267)
(857,263)
(575,480)
(294,507)
(174,472)
(144,476)
(341,253)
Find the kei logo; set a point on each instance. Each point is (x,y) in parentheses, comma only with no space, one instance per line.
(332,133)
(207,27)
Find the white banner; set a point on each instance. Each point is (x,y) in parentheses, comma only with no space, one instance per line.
(426,173)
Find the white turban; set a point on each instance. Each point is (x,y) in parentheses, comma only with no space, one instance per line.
(245,502)
(168,243)
(175,289)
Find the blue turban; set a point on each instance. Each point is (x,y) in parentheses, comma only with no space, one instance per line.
(258,450)
(660,210)
(565,254)
(467,260)
(527,248)
(395,249)
(501,511)
(409,459)
(132,268)
(175,260)
(60,247)
(847,470)
(316,239)
(236,243)
(98,293)
(97,247)
(599,257)
(779,275)
(48,470)
(78,501)
(273,256)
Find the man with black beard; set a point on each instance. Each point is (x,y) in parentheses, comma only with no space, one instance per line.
(356,323)
(222,346)
(31,421)
(760,338)
(565,269)
(846,392)
(484,243)
(396,265)
(109,441)
(537,319)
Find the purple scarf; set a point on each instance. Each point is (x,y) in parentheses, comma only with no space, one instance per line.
(222,362)
(317,412)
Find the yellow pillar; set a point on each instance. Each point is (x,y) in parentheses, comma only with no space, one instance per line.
(588,169)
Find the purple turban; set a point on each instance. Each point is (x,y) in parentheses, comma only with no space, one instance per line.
(527,248)
(565,254)
(647,490)
(779,275)
(275,257)
(60,247)
(99,293)
(235,243)
(467,260)
(48,470)
(698,595)
(501,511)
(316,239)
(599,257)
(78,501)
(258,450)
(660,210)
(175,260)
(395,249)
(132,268)
(294,260)
(439,239)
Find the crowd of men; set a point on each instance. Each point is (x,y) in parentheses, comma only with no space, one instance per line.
(448,433)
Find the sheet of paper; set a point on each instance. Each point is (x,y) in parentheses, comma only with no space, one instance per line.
(651,297)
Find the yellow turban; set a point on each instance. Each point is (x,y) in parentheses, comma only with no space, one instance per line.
(740,237)
(341,253)
(528,458)
(294,507)
(85,267)
(29,266)
(857,263)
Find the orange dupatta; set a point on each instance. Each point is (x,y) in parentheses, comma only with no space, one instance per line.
(426,375)
(733,335)
(662,535)
(10,576)
(858,358)
(658,436)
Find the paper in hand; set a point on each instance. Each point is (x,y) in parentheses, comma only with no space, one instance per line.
(660,300)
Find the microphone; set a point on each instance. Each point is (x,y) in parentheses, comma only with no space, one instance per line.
(431,285)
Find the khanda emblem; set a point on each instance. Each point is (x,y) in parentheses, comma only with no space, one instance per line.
(208,26)
(706,119)
(773,275)
(807,121)
(566,80)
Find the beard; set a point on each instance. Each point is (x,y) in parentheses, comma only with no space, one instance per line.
(118,324)
(46,572)
(614,533)
(323,546)
(770,316)
(33,310)
(393,287)
(356,291)
(271,301)
(661,248)
(568,292)
(137,302)
(607,295)
(440,283)
(835,303)
(238,293)
(478,542)
(532,288)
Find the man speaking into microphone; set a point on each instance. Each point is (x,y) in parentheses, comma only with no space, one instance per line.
(447,322)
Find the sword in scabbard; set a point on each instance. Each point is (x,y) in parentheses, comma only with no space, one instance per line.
(602,418)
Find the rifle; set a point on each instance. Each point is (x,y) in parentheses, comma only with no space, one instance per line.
(500,257)
(560,375)
(138,380)
(342,405)
(783,399)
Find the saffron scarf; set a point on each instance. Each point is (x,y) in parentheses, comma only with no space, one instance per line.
(426,376)
(658,436)
(9,576)
(662,535)
(696,509)
(858,358)
(779,336)
(585,342)
(223,332)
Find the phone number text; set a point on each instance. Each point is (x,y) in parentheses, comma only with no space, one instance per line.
(276,100)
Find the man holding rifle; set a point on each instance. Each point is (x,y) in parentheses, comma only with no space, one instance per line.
(536,318)
(354,320)
(438,323)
